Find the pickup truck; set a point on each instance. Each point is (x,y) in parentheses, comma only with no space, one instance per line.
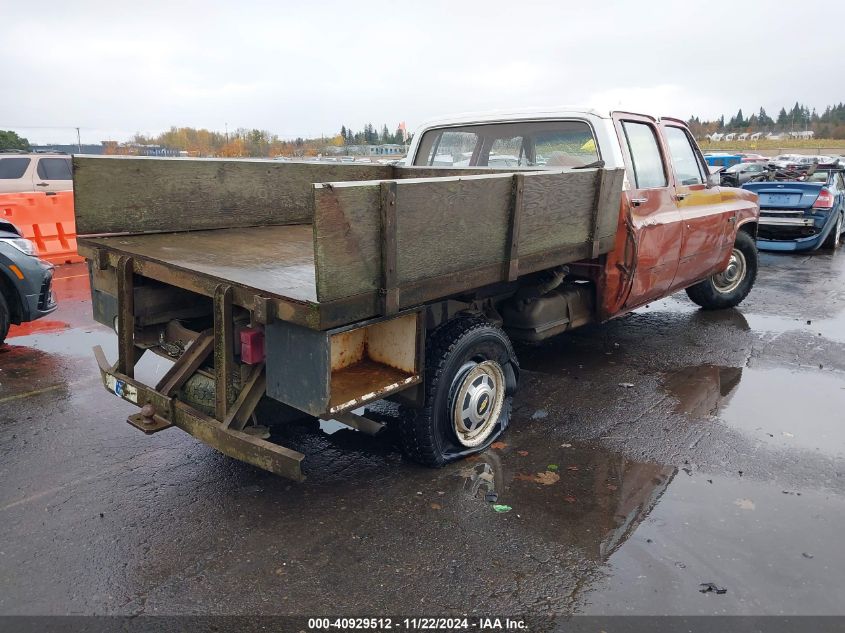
(324,287)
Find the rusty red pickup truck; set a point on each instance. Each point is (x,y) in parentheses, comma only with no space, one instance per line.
(324,287)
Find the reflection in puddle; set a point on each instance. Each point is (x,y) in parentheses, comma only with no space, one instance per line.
(701,391)
(583,496)
(789,409)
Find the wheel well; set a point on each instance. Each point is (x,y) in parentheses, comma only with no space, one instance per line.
(12,297)
(750,228)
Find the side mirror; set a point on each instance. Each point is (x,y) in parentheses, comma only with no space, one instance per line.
(713,180)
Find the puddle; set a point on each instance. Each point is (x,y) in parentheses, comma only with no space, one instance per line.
(788,409)
(643,539)
(832,329)
(702,391)
(773,552)
(582,495)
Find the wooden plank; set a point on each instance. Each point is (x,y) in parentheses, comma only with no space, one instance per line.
(224,349)
(125,317)
(134,194)
(447,225)
(607,220)
(388,247)
(557,210)
(347,239)
(512,251)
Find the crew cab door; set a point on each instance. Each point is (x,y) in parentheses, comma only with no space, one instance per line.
(704,218)
(52,174)
(654,213)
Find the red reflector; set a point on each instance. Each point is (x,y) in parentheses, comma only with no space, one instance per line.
(824,201)
(252,346)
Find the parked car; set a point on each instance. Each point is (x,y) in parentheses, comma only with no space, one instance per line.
(801,215)
(754,158)
(34,172)
(26,291)
(739,174)
(722,160)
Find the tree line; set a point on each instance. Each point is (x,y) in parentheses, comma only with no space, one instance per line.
(828,124)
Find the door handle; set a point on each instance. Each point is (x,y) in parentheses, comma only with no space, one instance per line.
(680,196)
(42,184)
(49,193)
(638,201)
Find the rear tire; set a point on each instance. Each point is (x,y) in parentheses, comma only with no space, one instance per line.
(5,318)
(835,238)
(728,288)
(470,377)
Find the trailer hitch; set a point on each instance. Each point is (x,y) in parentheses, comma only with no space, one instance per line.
(160,411)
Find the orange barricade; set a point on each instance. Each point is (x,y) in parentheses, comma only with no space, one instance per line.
(45,219)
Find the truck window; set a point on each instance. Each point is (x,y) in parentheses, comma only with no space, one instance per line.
(54,169)
(645,155)
(522,144)
(446,148)
(13,168)
(684,160)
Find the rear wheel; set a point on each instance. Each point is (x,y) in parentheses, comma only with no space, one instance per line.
(835,238)
(470,379)
(5,318)
(728,288)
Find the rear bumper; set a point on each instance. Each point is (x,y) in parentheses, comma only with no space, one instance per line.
(164,412)
(798,232)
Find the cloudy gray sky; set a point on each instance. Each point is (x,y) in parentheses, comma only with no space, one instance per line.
(301,69)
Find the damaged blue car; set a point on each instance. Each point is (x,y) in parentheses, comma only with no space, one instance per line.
(801,215)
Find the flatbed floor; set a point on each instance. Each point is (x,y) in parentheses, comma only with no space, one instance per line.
(275,260)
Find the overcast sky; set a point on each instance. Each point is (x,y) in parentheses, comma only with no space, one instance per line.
(301,69)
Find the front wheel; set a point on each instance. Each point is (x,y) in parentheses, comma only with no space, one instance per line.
(471,375)
(5,318)
(728,288)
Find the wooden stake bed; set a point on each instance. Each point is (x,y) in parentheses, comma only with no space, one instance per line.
(325,246)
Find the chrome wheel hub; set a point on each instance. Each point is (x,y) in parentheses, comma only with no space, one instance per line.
(728,280)
(477,402)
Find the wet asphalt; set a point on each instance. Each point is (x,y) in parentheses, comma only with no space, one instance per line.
(666,449)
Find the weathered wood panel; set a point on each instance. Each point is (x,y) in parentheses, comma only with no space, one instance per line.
(134,195)
(347,239)
(456,230)
(557,210)
(447,225)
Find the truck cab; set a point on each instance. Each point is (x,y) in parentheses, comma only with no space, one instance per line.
(677,226)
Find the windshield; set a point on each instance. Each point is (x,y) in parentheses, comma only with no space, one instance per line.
(735,168)
(507,145)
